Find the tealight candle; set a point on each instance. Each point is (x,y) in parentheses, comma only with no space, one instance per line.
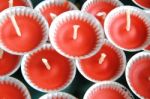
(9,63)
(108,64)
(12,88)
(108,90)
(142,3)
(76,34)
(57,71)
(123,28)
(57,95)
(52,8)
(138,74)
(100,8)
(18,28)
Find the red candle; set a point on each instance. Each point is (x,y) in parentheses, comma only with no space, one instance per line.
(138,74)
(12,88)
(123,28)
(108,90)
(57,95)
(9,63)
(5,3)
(100,8)
(76,34)
(22,30)
(57,71)
(142,3)
(51,9)
(108,64)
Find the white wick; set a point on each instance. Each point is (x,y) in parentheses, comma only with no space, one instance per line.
(102,58)
(75,32)
(1,53)
(128,14)
(101,14)
(13,20)
(47,65)
(53,16)
(10,3)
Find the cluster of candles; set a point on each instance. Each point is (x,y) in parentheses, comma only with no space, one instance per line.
(55,37)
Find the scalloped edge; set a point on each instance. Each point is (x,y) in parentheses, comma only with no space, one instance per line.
(129,64)
(15,82)
(56,94)
(108,84)
(88,3)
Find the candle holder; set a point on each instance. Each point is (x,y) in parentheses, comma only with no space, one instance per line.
(57,71)
(108,90)
(76,34)
(9,85)
(108,68)
(137,74)
(123,28)
(19,26)
(61,95)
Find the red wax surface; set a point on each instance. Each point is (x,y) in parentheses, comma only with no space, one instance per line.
(106,93)
(8,91)
(86,40)
(56,77)
(105,71)
(147,48)
(31,34)
(5,4)
(8,63)
(100,7)
(139,77)
(56,9)
(144,3)
(128,39)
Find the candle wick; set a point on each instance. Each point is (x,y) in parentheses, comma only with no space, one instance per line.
(102,58)
(1,53)
(53,16)
(12,17)
(75,32)
(10,3)
(47,65)
(101,14)
(128,14)
(13,20)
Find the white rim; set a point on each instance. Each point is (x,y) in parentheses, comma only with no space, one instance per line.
(139,5)
(28,80)
(113,85)
(136,11)
(26,12)
(29,3)
(75,14)
(15,82)
(90,2)
(15,69)
(44,4)
(57,94)
(129,64)
(120,53)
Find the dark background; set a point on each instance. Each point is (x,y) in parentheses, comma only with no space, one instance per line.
(80,84)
